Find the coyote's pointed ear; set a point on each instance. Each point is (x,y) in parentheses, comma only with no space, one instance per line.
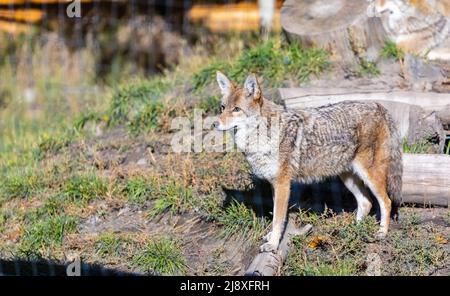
(252,88)
(225,84)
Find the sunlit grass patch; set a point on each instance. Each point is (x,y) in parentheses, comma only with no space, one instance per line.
(171,197)
(368,68)
(420,147)
(161,256)
(390,50)
(83,188)
(337,247)
(133,96)
(238,219)
(19,183)
(138,190)
(52,144)
(43,234)
(110,244)
(414,251)
(274,60)
(148,118)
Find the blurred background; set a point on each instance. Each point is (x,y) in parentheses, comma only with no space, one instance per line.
(54,64)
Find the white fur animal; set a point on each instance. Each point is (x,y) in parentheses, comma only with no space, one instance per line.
(417,26)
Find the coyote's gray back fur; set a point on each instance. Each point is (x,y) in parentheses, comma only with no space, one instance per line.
(323,142)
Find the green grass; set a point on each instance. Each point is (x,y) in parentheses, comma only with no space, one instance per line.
(390,50)
(210,104)
(336,248)
(161,256)
(132,98)
(273,60)
(346,267)
(147,119)
(3,219)
(51,144)
(368,68)
(414,252)
(237,219)
(44,234)
(84,188)
(339,246)
(170,197)
(208,72)
(54,205)
(419,147)
(109,244)
(19,183)
(137,190)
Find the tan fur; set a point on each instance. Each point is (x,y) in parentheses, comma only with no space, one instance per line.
(417,26)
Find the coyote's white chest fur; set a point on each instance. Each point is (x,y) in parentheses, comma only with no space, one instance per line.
(260,148)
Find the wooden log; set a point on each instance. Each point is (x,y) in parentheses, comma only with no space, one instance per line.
(230,17)
(314,96)
(418,115)
(14,28)
(343,27)
(268,263)
(22,15)
(426,179)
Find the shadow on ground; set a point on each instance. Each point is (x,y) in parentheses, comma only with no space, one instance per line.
(330,194)
(51,268)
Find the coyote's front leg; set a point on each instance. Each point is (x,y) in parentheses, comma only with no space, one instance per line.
(281,186)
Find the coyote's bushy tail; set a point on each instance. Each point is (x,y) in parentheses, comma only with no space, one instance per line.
(395,168)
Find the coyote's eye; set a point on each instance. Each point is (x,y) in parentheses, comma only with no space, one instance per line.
(222,107)
(236,109)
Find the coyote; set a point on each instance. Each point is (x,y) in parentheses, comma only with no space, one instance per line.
(353,140)
(417,26)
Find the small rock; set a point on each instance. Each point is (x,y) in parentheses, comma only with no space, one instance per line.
(373,262)
(142,162)
(94,220)
(123,211)
(422,73)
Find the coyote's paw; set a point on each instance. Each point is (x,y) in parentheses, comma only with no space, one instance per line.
(381,234)
(266,238)
(268,247)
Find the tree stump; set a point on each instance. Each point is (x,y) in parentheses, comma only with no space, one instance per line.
(342,27)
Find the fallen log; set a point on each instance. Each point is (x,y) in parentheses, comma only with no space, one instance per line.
(426,179)
(238,17)
(313,97)
(268,263)
(342,27)
(419,115)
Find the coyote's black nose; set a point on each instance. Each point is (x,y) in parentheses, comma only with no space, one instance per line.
(215,124)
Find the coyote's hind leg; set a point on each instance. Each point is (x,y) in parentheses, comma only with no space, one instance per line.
(355,185)
(375,179)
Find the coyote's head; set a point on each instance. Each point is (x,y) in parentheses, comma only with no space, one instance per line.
(238,104)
